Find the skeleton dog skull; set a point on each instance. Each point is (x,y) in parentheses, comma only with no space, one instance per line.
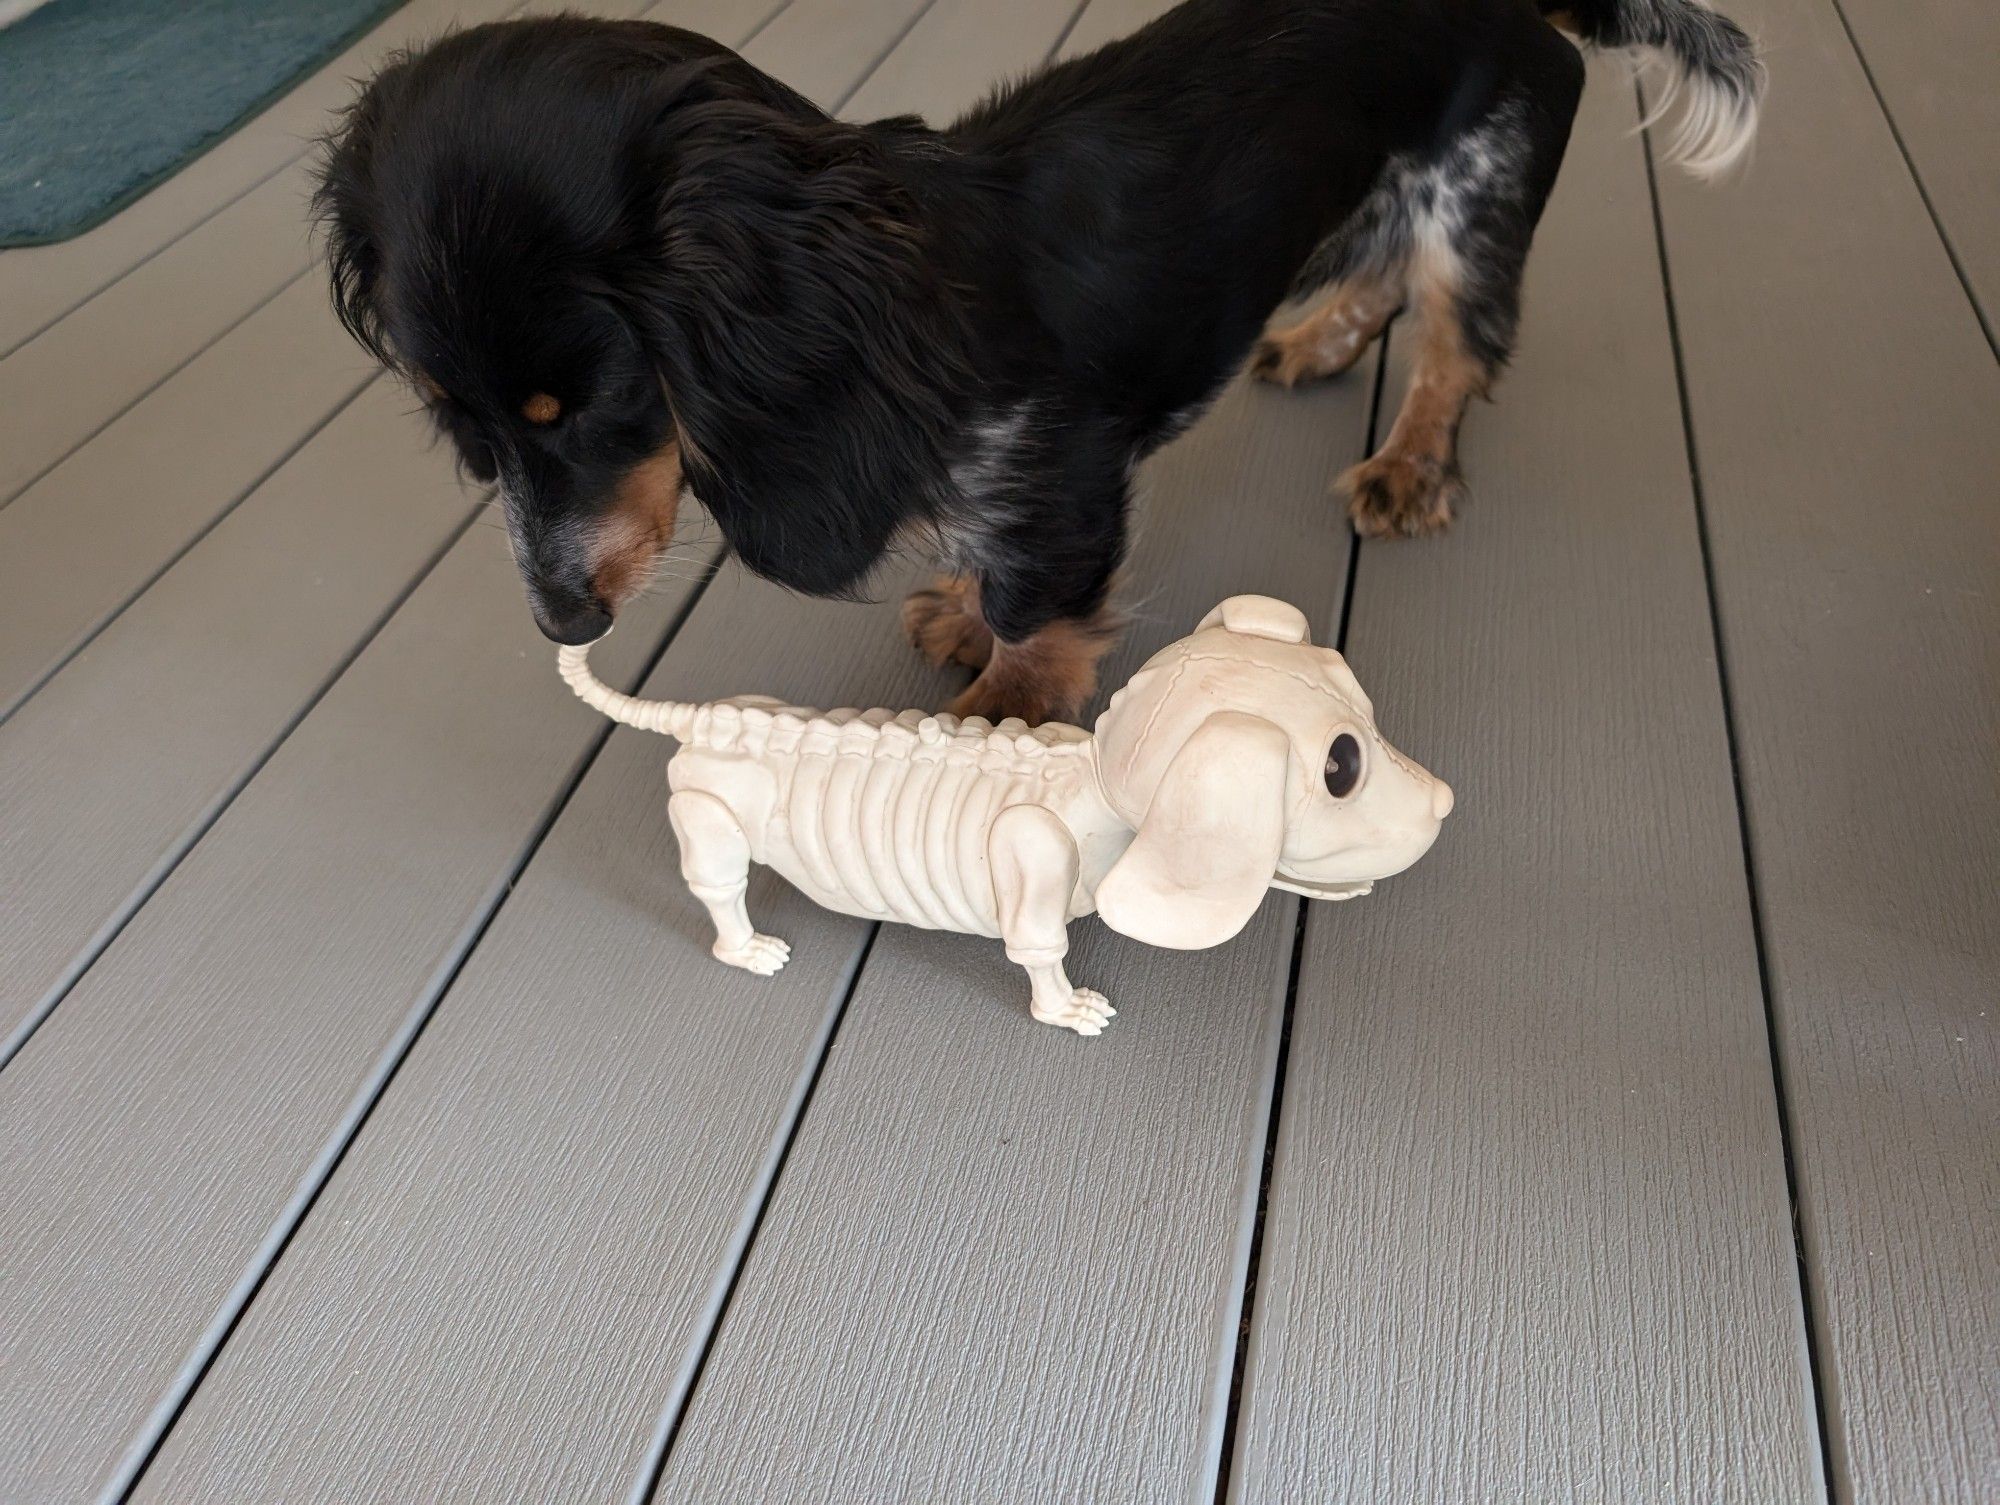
(1239,759)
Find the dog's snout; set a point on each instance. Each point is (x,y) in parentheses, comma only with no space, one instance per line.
(1441,798)
(572,626)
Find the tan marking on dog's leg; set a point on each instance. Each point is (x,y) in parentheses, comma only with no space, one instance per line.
(1048,675)
(1328,339)
(1411,486)
(632,537)
(944,624)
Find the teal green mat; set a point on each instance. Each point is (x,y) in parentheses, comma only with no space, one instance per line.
(100,99)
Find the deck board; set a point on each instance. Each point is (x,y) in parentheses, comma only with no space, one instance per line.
(120,760)
(71,380)
(407,1133)
(1932,61)
(565,1168)
(986,1221)
(78,545)
(1843,408)
(1529,1236)
(197,1077)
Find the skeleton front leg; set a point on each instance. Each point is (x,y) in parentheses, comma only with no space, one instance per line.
(715,861)
(1034,864)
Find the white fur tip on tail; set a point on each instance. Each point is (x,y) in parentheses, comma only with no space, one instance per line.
(1714,116)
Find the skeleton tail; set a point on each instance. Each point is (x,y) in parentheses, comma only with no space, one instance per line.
(1714,73)
(674,717)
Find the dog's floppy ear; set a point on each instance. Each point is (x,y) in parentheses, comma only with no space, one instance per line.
(813,354)
(1208,845)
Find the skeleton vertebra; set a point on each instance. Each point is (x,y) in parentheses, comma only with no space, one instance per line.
(1011,832)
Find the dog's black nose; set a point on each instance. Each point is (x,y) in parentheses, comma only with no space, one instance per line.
(574,625)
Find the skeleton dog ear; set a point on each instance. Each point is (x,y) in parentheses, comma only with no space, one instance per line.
(1208,845)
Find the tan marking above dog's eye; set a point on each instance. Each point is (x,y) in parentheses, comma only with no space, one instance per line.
(541,408)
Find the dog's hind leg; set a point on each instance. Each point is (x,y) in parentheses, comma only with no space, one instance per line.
(1365,262)
(1473,212)
(715,861)
(1411,485)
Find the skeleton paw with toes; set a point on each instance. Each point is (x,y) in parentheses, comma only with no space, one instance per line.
(762,954)
(1085,1010)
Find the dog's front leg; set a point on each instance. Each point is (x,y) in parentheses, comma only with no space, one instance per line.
(1033,859)
(715,861)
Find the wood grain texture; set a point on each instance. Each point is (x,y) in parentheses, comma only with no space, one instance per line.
(829,49)
(161,1124)
(506,1283)
(1932,60)
(75,377)
(1107,20)
(1851,518)
(80,543)
(1528,1235)
(957,52)
(38,284)
(109,770)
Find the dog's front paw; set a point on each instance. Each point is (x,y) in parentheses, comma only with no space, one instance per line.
(1086,1011)
(1402,494)
(762,954)
(944,625)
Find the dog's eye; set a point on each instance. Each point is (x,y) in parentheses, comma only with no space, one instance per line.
(1343,766)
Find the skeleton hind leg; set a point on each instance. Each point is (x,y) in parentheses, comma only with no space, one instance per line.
(715,861)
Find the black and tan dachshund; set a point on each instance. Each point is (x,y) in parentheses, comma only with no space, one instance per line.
(617,259)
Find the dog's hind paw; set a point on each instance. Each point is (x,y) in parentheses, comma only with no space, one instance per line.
(1402,495)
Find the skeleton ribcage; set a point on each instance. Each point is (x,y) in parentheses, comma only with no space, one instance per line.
(896,839)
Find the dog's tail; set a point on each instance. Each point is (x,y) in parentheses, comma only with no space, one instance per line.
(1714,73)
(674,717)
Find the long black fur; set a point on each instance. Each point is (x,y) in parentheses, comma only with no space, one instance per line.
(856,332)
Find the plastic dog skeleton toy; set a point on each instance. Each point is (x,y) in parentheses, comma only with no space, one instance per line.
(1239,759)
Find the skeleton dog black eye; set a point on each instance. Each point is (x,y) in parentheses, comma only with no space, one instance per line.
(1343,766)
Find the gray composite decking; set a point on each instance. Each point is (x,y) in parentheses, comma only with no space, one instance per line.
(374,1125)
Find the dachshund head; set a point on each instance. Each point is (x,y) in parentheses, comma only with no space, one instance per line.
(614,256)
(1246,759)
